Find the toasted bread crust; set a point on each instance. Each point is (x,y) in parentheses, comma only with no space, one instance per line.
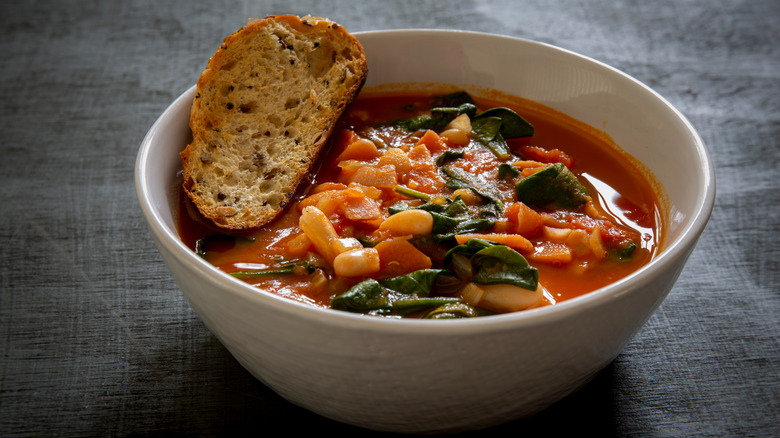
(265,107)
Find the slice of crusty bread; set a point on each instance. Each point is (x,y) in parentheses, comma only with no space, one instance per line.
(264,109)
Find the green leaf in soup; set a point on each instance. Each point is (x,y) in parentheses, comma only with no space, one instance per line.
(419,282)
(507,171)
(365,296)
(484,262)
(554,185)
(502,264)
(411,193)
(285,267)
(474,225)
(468,249)
(403,305)
(487,131)
(450,112)
(447,156)
(398,296)
(625,251)
(416,123)
(512,124)
(456,311)
(486,128)
(443,224)
(457,178)
(456,207)
(436,120)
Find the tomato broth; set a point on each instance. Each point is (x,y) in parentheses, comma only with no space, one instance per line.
(613,231)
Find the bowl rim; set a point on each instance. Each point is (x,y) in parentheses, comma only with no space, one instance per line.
(670,253)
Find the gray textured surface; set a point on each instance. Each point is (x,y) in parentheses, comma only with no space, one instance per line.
(96,339)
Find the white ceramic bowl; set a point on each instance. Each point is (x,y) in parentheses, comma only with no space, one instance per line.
(444,376)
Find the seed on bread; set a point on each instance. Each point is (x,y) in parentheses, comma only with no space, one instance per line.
(265,107)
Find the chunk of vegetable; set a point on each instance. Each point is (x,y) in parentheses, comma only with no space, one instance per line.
(501,298)
(553,185)
(360,262)
(408,223)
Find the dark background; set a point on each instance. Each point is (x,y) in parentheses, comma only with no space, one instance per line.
(97,340)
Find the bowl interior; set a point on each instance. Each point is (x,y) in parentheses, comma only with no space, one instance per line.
(642,123)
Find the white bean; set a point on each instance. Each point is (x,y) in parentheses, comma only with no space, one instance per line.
(357,262)
(501,297)
(456,137)
(409,222)
(462,123)
(319,230)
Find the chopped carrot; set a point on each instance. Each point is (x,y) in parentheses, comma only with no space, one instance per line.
(511,214)
(557,235)
(382,177)
(361,150)
(546,156)
(552,253)
(432,141)
(349,168)
(398,257)
(360,208)
(331,203)
(528,171)
(344,138)
(327,186)
(578,242)
(423,176)
(398,158)
(514,241)
(315,198)
(299,245)
(529,222)
(371,192)
(528,163)
(596,244)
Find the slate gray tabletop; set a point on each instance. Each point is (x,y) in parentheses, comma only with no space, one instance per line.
(97,340)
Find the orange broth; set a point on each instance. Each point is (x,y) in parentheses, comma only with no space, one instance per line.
(620,191)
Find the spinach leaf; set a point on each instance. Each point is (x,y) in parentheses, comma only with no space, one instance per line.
(417,123)
(553,185)
(411,193)
(447,156)
(484,262)
(455,311)
(404,306)
(507,171)
(488,132)
(363,297)
(512,124)
(452,218)
(502,264)
(283,267)
(436,120)
(419,282)
(494,126)
(395,296)
(625,250)
(450,112)
(460,179)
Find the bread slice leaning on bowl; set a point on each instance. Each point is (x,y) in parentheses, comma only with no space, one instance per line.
(264,109)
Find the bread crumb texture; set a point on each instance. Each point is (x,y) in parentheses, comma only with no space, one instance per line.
(265,107)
